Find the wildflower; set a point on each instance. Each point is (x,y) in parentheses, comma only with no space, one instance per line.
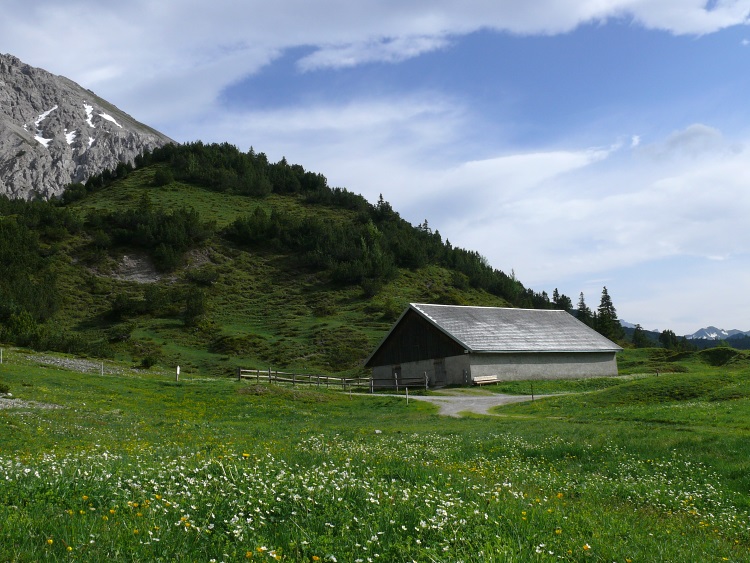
(50,541)
(69,548)
(85,497)
(315,558)
(586,547)
(248,555)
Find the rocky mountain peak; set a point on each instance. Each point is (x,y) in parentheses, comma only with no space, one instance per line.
(54,132)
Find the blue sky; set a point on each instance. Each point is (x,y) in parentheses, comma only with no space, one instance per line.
(576,144)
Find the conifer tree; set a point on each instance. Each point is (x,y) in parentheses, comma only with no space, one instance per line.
(607,323)
(640,340)
(583,313)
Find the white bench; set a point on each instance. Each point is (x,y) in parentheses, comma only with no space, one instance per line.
(484,379)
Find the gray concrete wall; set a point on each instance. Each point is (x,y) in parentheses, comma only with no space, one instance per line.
(510,367)
(459,370)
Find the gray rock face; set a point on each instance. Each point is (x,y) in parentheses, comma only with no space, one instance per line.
(53,132)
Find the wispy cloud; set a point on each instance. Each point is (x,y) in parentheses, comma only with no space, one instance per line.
(195,49)
(388,50)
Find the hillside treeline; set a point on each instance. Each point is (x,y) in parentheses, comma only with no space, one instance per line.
(365,251)
(366,245)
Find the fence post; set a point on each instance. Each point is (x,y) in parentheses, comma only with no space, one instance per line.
(239,374)
(1,355)
(177,374)
(426,380)
(372,385)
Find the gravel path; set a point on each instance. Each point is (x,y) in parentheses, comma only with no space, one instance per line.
(453,402)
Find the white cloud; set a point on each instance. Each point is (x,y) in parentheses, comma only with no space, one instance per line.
(194,49)
(384,50)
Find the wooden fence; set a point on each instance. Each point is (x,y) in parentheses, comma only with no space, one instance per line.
(272,376)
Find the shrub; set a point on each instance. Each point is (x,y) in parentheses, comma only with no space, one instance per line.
(4,388)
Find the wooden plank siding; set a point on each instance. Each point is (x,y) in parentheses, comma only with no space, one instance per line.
(412,340)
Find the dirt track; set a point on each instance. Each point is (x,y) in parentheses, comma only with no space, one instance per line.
(454,401)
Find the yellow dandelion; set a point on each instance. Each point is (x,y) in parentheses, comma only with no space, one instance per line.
(50,541)
(586,547)
(135,531)
(558,531)
(245,455)
(85,497)
(315,558)
(560,495)
(248,555)
(69,548)
(112,511)
(105,518)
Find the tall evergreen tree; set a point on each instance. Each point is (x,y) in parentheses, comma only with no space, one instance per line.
(607,323)
(583,312)
(669,340)
(562,301)
(640,340)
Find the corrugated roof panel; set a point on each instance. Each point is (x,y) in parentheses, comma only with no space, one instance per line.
(495,329)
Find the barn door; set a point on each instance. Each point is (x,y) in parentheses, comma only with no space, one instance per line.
(440,375)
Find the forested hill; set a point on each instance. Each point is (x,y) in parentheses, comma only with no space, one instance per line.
(211,257)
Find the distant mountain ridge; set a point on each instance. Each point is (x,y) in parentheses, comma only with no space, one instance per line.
(54,132)
(707,333)
(713,333)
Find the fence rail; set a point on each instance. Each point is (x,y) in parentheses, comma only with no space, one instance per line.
(273,376)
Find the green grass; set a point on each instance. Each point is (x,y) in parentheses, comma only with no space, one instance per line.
(263,309)
(136,466)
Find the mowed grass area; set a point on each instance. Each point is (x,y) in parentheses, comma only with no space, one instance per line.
(134,466)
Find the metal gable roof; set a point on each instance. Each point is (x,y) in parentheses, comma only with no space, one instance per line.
(495,329)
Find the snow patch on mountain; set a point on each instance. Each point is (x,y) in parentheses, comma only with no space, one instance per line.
(89,114)
(110,118)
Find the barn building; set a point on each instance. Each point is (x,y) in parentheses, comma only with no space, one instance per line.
(440,345)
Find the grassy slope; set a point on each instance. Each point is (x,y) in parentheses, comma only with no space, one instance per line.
(643,469)
(269,311)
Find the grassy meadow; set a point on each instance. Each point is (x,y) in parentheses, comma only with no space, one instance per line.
(106,462)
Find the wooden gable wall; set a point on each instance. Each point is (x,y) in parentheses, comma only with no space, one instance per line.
(414,339)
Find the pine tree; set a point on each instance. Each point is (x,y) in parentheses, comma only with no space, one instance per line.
(640,340)
(583,313)
(607,323)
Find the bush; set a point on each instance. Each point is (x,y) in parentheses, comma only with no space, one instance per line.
(149,361)
(4,388)
(163,177)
